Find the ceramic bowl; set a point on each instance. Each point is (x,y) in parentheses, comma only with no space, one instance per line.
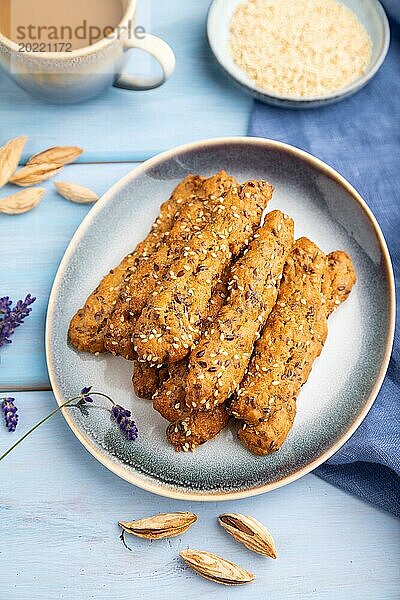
(369,12)
(344,380)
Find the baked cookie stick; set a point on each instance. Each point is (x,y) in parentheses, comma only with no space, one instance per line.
(171,321)
(87,327)
(197,428)
(169,399)
(218,363)
(342,279)
(166,383)
(267,399)
(151,381)
(289,332)
(147,380)
(192,218)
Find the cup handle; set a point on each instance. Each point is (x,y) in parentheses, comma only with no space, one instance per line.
(161,52)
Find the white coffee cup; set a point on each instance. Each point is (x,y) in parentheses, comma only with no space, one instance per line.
(64,77)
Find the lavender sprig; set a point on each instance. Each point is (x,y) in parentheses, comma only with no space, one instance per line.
(13,317)
(120,414)
(5,304)
(125,423)
(10,413)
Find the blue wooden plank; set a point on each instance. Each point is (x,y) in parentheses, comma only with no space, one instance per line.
(198,102)
(32,247)
(59,534)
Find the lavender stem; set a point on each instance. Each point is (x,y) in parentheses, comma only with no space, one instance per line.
(21,439)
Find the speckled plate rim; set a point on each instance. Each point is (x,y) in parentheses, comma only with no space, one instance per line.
(296,101)
(119,468)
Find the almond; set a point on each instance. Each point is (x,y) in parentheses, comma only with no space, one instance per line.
(32,174)
(215,568)
(249,532)
(75,193)
(160,526)
(21,202)
(10,155)
(60,155)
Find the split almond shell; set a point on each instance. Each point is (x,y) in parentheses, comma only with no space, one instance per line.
(250,532)
(160,526)
(60,155)
(32,174)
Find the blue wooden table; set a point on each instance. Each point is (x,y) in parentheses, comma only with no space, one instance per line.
(58,506)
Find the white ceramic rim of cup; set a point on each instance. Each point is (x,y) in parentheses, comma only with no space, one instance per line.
(243,80)
(129,13)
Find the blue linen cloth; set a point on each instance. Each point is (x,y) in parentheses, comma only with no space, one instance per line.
(360,137)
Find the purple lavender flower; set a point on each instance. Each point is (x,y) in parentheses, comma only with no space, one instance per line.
(13,317)
(5,304)
(125,423)
(10,413)
(85,394)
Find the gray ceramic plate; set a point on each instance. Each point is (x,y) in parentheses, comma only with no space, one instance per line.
(344,381)
(369,12)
